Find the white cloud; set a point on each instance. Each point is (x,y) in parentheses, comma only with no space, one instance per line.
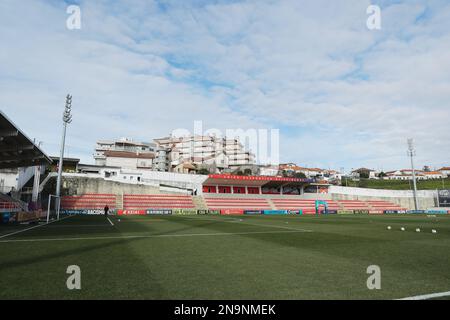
(342,95)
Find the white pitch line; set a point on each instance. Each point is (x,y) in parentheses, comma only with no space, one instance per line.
(39,225)
(81,226)
(252,224)
(428,296)
(152,236)
(110,221)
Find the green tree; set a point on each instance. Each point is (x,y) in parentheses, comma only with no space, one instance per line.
(300,175)
(203,171)
(285,173)
(364,175)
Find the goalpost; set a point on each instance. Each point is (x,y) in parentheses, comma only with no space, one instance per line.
(57,202)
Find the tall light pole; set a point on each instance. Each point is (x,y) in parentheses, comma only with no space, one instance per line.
(411,154)
(67,118)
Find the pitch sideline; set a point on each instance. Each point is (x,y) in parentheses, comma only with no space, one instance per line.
(152,236)
(428,296)
(34,227)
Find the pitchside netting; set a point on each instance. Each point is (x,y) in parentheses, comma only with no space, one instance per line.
(54,207)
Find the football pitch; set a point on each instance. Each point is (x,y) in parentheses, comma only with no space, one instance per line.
(227,257)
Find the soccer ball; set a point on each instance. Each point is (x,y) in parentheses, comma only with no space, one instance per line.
(402,228)
(417,230)
(433,231)
(389,228)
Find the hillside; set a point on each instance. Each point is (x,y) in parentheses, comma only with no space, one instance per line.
(399,185)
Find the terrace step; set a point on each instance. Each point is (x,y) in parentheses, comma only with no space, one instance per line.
(119,201)
(199,203)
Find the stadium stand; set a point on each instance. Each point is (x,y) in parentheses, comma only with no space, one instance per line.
(16,149)
(157,201)
(9,205)
(306,205)
(354,205)
(215,203)
(384,205)
(88,201)
(170,201)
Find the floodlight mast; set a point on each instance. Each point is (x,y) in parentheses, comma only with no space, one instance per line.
(67,118)
(411,154)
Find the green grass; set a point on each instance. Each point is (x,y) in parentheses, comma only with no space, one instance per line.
(222,257)
(398,184)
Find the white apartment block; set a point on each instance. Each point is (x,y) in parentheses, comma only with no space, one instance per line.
(223,153)
(124,145)
(129,160)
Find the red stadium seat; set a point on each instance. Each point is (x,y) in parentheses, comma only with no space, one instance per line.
(157,201)
(214,203)
(88,201)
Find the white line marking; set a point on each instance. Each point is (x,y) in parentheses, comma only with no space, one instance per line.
(110,221)
(152,236)
(428,296)
(81,225)
(39,225)
(251,224)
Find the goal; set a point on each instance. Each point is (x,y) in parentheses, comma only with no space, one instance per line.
(54,206)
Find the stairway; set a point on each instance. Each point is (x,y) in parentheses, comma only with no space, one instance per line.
(119,201)
(47,178)
(371,208)
(272,205)
(199,203)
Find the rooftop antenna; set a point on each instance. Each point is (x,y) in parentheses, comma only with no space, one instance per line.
(412,154)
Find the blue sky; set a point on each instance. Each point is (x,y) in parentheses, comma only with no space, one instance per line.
(342,96)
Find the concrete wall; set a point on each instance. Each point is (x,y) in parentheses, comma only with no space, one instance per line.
(404,198)
(133,182)
(82,185)
(166,179)
(130,163)
(8,180)
(15,178)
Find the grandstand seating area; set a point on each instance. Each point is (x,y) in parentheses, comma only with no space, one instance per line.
(237,203)
(157,201)
(7,204)
(88,201)
(354,205)
(306,205)
(168,201)
(384,205)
